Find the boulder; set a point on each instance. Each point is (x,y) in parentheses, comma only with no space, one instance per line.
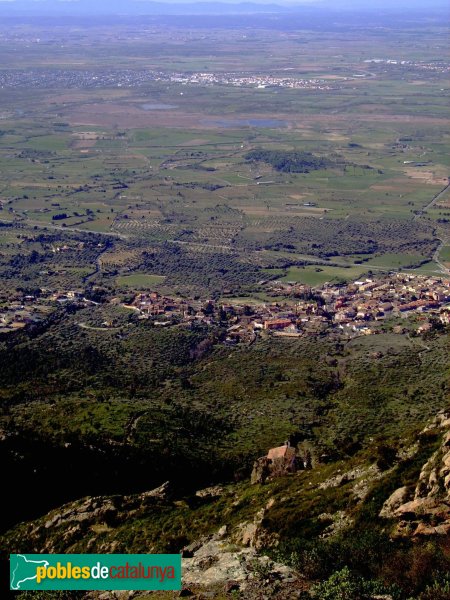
(427,530)
(395,500)
(210,493)
(261,470)
(249,534)
(191,549)
(161,493)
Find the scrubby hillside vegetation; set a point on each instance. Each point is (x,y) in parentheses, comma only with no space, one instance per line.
(119,412)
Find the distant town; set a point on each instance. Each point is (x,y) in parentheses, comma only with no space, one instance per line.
(258,81)
(438,66)
(130,78)
(353,309)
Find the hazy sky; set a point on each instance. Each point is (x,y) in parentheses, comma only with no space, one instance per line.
(136,6)
(330,3)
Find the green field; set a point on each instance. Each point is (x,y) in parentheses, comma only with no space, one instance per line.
(140,280)
(394,261)
(445,254)
(315,275)
(320,274)
(428,268)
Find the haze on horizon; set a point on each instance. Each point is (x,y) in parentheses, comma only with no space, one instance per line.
(141,6)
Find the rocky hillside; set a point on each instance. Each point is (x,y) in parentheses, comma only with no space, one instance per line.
(423,509)
(289,537)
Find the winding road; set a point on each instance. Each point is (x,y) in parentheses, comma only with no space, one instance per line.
(443,241)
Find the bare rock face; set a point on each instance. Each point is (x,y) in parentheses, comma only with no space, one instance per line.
(210,493)
(162,493)
(427,530)
(253,534)
(92,509)
(424,510)
(248,534)
(363,476)
(218,560)
(261,470)
(395,500)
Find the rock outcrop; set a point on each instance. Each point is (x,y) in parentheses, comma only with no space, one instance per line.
(362,475)
(261,470)
(69,524)
(217,560)
(210,493)
(253,534)
(424,509)
(393,503)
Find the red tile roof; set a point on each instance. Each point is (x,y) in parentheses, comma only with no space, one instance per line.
(280,452)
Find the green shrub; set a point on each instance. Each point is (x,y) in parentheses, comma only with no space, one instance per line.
(318,559)
(342,585)
(346,585)
(440,590)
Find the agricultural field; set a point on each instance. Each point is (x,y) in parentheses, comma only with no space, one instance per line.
(445,254)
(95,144)
(140,281)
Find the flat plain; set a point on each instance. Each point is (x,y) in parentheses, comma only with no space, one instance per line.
(145,135)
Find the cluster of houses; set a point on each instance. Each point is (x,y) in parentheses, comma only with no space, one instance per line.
(438,66)
(359,305)
(356,308)
(132,78)
(17,316)
(259,81)
(22,309)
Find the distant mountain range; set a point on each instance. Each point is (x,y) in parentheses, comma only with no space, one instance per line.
(83,8)
(131,7)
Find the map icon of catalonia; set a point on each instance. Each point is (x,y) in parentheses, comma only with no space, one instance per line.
(23,570)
